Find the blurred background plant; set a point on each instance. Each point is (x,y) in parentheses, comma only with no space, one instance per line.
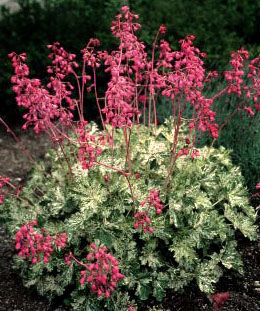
(220,26)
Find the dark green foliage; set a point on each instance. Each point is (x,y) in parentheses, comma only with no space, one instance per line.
(219,26)
(193,239)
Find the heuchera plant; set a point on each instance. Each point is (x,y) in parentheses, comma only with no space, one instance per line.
(111,157)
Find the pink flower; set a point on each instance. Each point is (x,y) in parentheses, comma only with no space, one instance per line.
(249,110)
(162,29)
(102,274)
(89,146)
(3,182)
(142,219)
(257,107)
(41,105)
(32,244)
(142,99)
(235,75)
(219,299)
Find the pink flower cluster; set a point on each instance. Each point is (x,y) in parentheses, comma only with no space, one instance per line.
(3,182)
(143,220)
(62,61)
(42,106)
(102,273)
(219,300)
(37,246)
(120,106)
(89,147)
(254,75)
(131,49)
(89,56)
(185,151)
(61,239)
(234,76)
(186,80)
(166,55)
(257,187)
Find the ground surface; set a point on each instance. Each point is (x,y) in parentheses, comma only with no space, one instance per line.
(244,291)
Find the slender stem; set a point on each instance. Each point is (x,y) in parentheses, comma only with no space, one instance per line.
(82,88)
(62,133)
(149,112)
(66,158)
(63,151)
(173,156)
(127,141)
(25,199)
(132,193)
(113,168)
(97,99)
(80,99)
(220,93)
(20,144)
(77,261)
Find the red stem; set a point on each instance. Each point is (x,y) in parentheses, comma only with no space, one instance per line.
(20,144)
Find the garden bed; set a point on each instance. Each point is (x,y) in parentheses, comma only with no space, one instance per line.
(244,291)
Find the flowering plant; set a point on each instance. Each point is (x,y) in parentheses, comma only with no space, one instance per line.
(166,210)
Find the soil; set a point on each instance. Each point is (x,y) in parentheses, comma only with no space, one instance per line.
(244,291)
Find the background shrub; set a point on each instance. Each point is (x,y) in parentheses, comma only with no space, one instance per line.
(217,24)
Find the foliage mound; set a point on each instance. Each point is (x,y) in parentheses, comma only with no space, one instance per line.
(193,238)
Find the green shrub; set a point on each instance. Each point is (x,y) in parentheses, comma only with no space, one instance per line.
(194,238)
(217,24)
